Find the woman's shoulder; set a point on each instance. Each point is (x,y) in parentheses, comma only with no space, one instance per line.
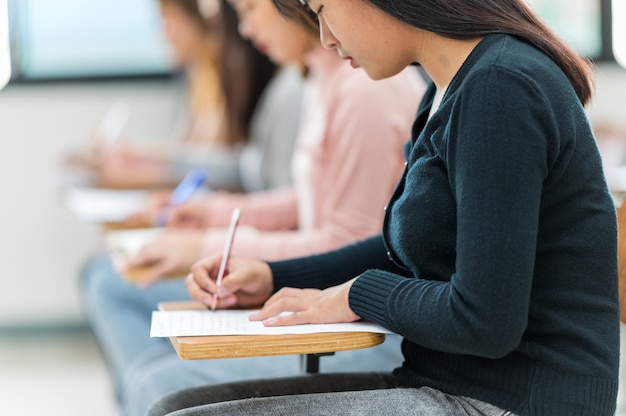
(515,56)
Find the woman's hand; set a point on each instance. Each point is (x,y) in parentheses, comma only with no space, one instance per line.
(172,253)
(246,283)
(188,215)
(126,167)
(159,212)
(308,306)
(155,209)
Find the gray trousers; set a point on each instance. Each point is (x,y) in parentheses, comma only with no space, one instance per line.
(320,394)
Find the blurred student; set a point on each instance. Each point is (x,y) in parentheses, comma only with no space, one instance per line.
(272,128)
(347,161)
(224,77)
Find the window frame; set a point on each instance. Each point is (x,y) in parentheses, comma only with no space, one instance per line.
(16,13)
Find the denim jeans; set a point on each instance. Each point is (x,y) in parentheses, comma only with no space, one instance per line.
(119,314)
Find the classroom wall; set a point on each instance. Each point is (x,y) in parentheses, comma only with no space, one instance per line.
(609,105)
(42,245)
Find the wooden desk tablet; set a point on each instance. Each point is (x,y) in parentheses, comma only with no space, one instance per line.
(137,274)
(129,224)
(310,346)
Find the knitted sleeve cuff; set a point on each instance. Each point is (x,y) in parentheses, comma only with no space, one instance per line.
(370,293)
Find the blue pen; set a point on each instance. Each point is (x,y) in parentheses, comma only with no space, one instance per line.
(185,189)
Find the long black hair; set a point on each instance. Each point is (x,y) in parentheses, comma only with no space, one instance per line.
(244,74)
(243,71)
(469,19)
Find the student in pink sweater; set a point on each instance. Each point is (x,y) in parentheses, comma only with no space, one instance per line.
(343,174)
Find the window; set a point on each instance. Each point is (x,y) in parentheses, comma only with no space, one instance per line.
(5,67)
(619,31)
(107,38)
(578,22)
(86,38)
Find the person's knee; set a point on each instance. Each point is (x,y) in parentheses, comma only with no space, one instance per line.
(99,281)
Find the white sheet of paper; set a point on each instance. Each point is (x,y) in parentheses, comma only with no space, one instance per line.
(104,205)
(124,244)
(236,322)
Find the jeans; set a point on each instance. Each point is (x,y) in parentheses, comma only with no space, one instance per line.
(143,368)
(119,314)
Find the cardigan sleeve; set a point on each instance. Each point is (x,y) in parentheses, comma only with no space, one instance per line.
(333,267)
(496,162)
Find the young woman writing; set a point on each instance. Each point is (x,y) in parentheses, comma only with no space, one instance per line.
(497,258)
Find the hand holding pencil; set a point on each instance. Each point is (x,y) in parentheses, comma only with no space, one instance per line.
(244,283)
(234,220)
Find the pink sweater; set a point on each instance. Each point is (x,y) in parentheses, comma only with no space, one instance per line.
(347,161)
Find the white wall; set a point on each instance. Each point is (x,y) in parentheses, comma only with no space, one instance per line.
(42,245)
(609,105)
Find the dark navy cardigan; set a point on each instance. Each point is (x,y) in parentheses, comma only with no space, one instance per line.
(497,262)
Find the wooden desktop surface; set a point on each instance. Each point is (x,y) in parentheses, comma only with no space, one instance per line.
(139,273)
(129,224)
(233,346)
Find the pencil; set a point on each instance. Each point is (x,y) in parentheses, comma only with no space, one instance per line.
(234,220)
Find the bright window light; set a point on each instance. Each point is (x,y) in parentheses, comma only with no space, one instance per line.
(578,22)
(87,38)
(5,56)
(619,31)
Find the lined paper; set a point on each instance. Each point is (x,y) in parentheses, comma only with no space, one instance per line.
(123,245)
(236,322)
(104,205)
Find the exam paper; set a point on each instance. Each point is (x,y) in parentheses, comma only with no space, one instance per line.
(104,205)
(235,322)
(125,244)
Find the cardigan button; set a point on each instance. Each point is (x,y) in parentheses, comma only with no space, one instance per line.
(389,255)
(385,208)
(406,164)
